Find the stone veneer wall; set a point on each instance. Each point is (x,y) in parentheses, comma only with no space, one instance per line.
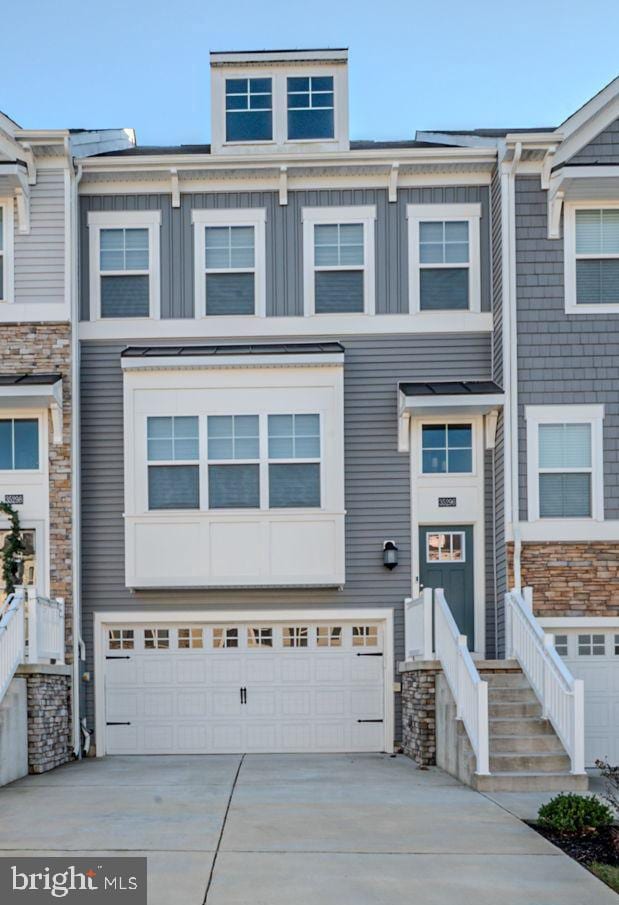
(45,349)
(49,726)
(570,579)
(419,712)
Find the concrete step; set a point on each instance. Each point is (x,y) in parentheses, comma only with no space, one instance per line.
(531,782)
(542,762)
(525,744)
(519,726)
(505,680)
(502,665)
(509,694)
(514,711)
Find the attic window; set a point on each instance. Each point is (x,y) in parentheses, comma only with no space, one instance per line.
(310,107)
(249,110)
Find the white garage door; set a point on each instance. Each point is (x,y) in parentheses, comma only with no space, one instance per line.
(594,657)
(260,687)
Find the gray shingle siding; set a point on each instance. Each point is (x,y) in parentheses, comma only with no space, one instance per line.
(284,241)
(603,149)
(377,480)
(562,359)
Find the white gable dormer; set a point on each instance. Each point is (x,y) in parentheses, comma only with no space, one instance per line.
(270,101)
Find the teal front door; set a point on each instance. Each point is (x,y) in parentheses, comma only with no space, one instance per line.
(446,561)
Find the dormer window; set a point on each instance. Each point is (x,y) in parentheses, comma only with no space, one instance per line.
(249,110)
(310,107)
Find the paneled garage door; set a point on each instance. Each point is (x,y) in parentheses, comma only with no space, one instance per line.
(263,687)
(594,657)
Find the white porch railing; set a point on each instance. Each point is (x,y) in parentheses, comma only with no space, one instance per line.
(470,692)
(45,628)
(418,627)
(11,638)
(561,695)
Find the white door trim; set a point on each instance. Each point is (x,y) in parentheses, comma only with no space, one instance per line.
(104,618)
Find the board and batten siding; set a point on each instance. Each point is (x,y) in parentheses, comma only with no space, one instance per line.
(562,359)
(377,481)
(39,257)
(284,241)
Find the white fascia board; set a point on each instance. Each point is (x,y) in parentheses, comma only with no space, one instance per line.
(568,531)
(584,125)
(480,404)
(184,362)
(577,622)
(339,55)
(239,328)
(344,613)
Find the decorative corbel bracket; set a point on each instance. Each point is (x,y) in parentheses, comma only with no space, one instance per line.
(22,198)
(283,185)
(490,423)
(393,181)
(176,193)
(404,425)
(556,196)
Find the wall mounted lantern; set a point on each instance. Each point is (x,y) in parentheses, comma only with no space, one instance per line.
(390,554)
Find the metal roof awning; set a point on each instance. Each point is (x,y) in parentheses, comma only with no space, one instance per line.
(232,355)
(34,391)
(457,397)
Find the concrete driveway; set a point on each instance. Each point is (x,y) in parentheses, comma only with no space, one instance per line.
(276,829)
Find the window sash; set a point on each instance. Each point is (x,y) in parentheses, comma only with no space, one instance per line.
(8,432)
(446,447)
(229,248)
(124,270)
(338,245)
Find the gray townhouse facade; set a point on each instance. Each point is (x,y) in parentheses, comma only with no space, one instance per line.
(318,376)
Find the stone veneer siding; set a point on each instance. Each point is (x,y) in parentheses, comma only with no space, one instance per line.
(49,727)
(419,712)
(570,579)
(44,349)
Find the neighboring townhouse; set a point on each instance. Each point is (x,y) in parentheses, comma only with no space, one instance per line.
(290,392)
(38,279)
(561,349)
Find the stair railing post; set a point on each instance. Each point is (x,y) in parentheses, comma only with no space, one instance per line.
(509,650)
(546,682)
(33,628)
(578,743)
(483,758)
(428,640)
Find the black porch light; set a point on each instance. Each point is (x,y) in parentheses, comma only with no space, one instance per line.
(390,554)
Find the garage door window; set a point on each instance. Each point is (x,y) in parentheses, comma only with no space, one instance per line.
(120,639)
(364,635)
(591,646)
(295,636)
(260,637)
(190,638)
(156,639)
(225,637)
(329,636)
(561,645)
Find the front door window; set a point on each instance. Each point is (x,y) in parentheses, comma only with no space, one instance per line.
(446,546)
(29,554)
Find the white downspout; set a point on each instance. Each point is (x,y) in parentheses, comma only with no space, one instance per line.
(78,644)
(510,354)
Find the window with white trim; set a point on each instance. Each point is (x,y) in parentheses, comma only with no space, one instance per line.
(190,638)
(329,636)
(124,264)
(249,110)
(561,645)
(120,639)
(295,636)
(565,462)
(591,645)
(310,107)
(229,251)
(173,456)
(19,444)
(294,461)
(338,260)
(156,638)
(592,258)
(233,461)
(444,257)
(225,637)
(6,249)
(446,449)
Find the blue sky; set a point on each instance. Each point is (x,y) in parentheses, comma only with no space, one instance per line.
(449,64)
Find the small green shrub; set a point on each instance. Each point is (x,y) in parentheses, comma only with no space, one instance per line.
(573,815)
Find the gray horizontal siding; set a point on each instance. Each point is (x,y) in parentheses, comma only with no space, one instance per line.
(39,269)
(603,149)
(377,485)
(562,359)
(284,241)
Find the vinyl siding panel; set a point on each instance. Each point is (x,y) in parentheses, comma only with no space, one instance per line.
(284,241)
(377,481)
(562,359)
(603,149)
(40,256)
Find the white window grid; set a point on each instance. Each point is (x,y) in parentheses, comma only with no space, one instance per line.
(329,636)
(248,93)
(156,639)
(444,213)
(356,215)
(225,637)
(447,447)
(564,469)
(446,550)
(592,645)
(121,639)
(177,434)
(561,645)
(228,269)
(316,95)
(260,637)
(536,415)
(571,256)
(125,220)
(365,636)
(295,636)
(190,638)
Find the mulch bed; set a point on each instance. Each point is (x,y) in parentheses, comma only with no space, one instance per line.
(602,847)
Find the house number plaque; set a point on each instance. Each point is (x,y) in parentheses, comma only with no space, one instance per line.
(447,502)
(14,499)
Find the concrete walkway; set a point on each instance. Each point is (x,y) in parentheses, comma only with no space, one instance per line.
(276,829)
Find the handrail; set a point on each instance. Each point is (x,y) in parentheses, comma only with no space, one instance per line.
(45,628)
(11,638)
(561,695)
(418,626)
(469,690)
